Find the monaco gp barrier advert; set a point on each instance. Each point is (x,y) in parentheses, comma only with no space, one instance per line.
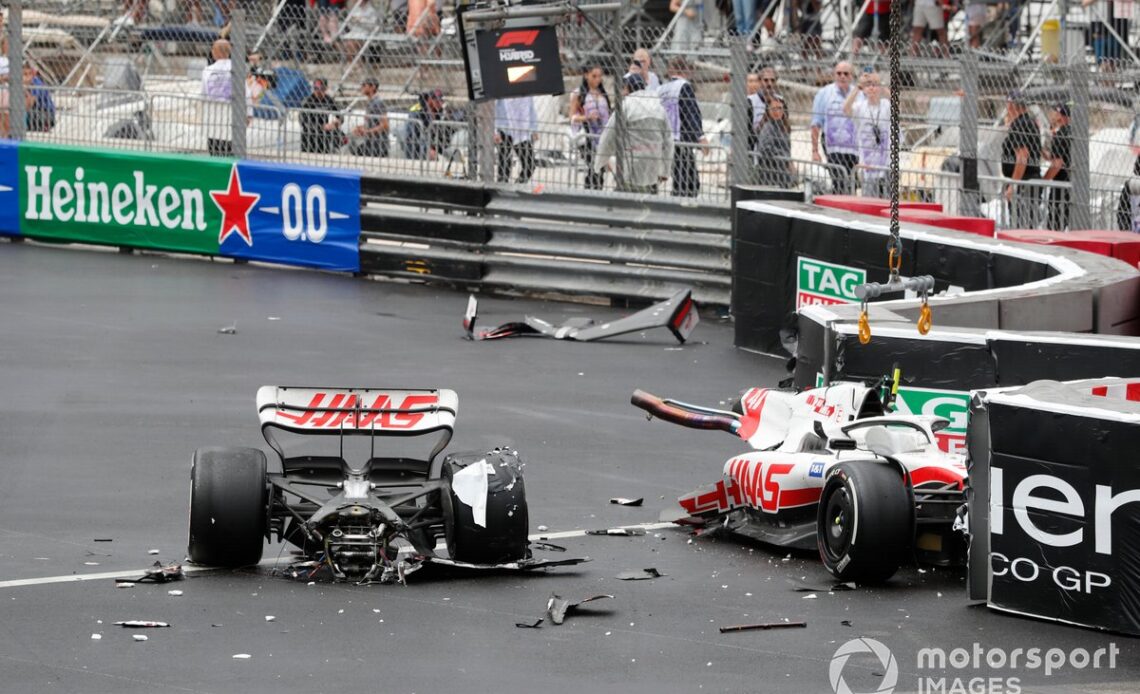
(1065,517)
(237,209)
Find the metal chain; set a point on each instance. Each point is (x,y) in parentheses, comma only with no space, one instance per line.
(894,246)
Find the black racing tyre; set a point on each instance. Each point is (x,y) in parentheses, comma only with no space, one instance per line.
(504,537)
(228,496)
(864,527)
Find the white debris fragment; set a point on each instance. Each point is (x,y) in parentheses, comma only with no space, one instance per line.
(125,584)
(242,656)
(274,317)
(708,664)
(542,528)
(470,487)
(810,596)
(376,610)
(608,633)
(174,593)
(340,611)
(270,618)
(91,563)
(152,551)
(96,637)
(140,637)
(922,571)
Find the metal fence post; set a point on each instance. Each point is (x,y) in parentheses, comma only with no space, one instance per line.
(618,111)
(968,145)
(485,122)
(239,107)
(738,97)
(1080,214)
(17,118)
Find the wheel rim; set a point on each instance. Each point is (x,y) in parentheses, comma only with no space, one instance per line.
(839,519)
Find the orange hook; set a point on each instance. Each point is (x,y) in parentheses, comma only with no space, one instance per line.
(925,320)
(864,328)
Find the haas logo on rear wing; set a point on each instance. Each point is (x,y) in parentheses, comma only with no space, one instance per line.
(324,409)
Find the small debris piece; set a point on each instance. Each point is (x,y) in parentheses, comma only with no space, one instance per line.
(96,637)
(140,637)
(642,575)
(270,618)
(158,574)
(119,583)
(242,656)
(542,528)
(626,532)
(764,625)
(152,551)
(548,547)
(104,539)
(810,596)
(141,624)
(531,625)
(558,607)
(174,593)
(846,623)
(622,501)
(91,563)
(228,330)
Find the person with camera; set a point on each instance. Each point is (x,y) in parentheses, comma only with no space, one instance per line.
(868,106)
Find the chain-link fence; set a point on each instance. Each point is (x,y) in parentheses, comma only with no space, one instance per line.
(379,85)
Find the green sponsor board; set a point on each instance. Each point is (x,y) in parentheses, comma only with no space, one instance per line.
(121,198)
(951,404)
(818,282)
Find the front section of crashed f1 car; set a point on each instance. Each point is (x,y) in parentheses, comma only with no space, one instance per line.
(832,469)
(354,495)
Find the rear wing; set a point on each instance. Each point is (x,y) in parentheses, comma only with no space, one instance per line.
(366,411)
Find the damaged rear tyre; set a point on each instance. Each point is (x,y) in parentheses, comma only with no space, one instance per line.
(502,537)
(864,527)
(228,492)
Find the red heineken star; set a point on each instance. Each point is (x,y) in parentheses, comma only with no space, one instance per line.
(235,206)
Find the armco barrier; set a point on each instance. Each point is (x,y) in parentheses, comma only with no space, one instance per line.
(624,248)
(237,209)
(1055,522)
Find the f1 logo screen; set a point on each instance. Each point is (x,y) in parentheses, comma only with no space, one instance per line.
(519,61)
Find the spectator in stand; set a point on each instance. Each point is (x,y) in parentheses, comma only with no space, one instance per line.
(362,20)
(761,89)
(832,133)
(683,114)
(928,15)
(372,137)
(328,19)
(870,108)
(1116,17)
(398,16)
(217,90)
(516,131)
(874,24)
(134,12)
(648,155)
(589,112)
(744,16)
(423,19)
(1021,162)
(1060,156)
(422,138)
(807,18)
(774,146)
(642,64)
(689,29)
(975,20)
(320,121)
(40,113)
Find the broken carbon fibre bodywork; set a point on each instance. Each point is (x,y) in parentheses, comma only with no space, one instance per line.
(677,313)
(364,515)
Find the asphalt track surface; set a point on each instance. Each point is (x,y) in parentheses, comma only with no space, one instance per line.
(113,371)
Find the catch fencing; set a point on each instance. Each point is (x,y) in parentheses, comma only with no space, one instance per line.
(133,79)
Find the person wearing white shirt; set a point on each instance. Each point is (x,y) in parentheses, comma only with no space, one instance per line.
(642,64)
(217,92)
(872,116)
(516,130)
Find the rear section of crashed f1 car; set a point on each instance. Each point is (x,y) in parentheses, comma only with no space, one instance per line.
(368,512)
(831,468)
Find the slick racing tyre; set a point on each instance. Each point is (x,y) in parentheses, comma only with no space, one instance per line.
(865,522)
(228,495)
(503,536)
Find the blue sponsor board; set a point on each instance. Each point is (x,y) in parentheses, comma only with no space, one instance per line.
(816,470)
(9,188)
(292,215)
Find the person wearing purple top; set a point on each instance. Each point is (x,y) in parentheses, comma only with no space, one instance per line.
(516,125)
(837,130)
(872,116)
(589,113)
